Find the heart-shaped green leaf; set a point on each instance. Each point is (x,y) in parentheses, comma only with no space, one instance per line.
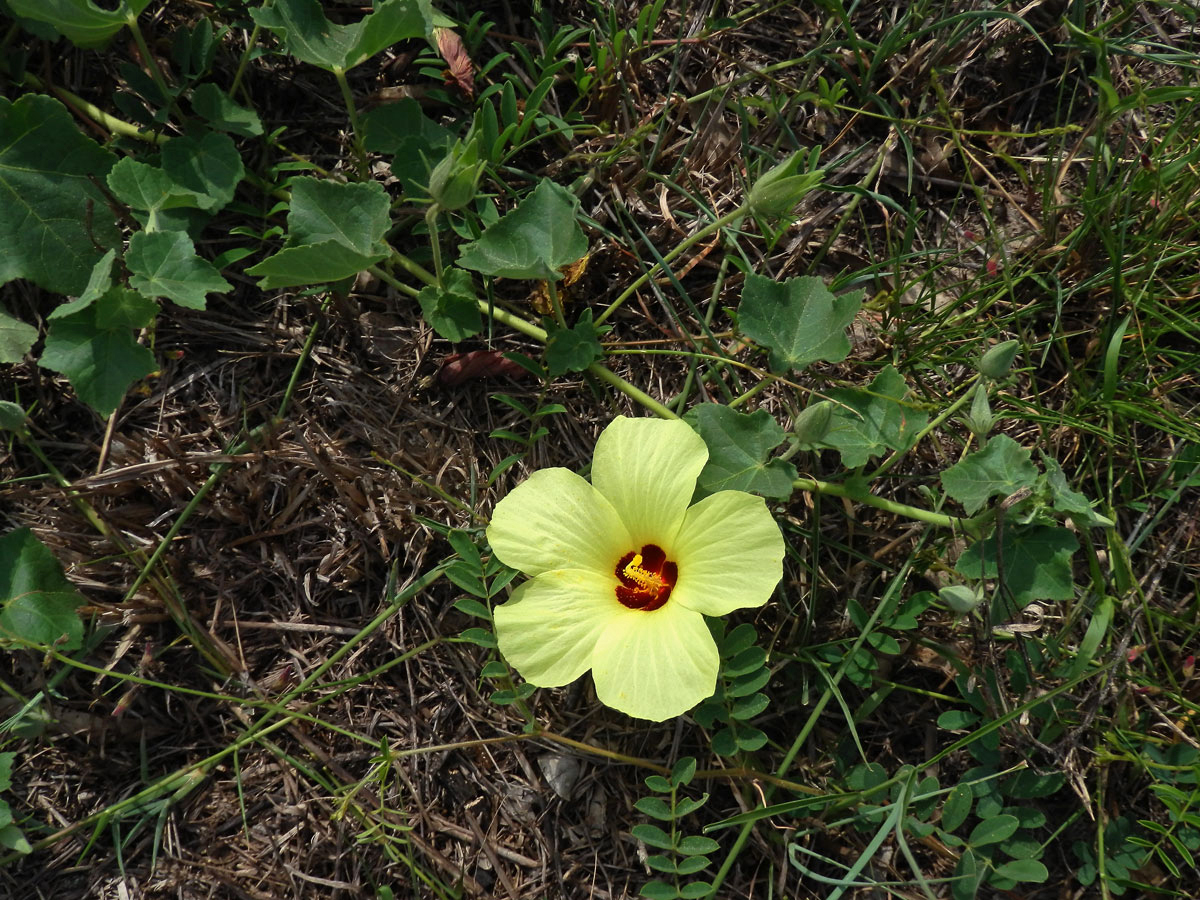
(310,37)
(798,320)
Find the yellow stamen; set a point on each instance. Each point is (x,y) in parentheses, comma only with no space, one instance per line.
(645,579)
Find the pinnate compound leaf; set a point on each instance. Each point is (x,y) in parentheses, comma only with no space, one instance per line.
(798,320)
(165,264)
(37,602)
(334,231)
(46,198)
(16,337)
(533,241)
(95,347)
(451,309)
(1036,560)
(738,446)
(209,166)
(574,349)
(310,37)
(867,423)
(1000,468)
(82,22)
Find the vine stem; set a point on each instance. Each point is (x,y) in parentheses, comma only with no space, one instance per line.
(700,235)
(900,509)
(352,112)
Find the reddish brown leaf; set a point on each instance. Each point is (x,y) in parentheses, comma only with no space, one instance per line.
(459,367)
(461,72)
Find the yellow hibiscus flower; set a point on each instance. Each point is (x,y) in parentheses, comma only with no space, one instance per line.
(624,570)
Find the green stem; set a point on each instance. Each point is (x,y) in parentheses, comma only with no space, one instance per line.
(738,401)
(435,244)
(629,390)
(360,154)
(251,43)
(899,509)
(151,63)
(928,429)
(95,113)
(700,235)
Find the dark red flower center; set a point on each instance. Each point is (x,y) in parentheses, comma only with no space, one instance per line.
(645,578)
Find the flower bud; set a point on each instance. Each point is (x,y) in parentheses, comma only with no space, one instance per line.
(997,361)
(777,192)
(980,420)
(812,424)
(961,598)
(454,181)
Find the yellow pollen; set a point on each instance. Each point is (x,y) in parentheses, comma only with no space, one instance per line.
(644,579)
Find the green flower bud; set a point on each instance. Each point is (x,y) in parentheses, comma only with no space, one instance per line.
(454,181)
(812,425)
(961,598)
(997,361)
(778,191)
(980,420)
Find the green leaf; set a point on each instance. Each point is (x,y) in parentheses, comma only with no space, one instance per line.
(355,215)
(533,241)
(1066,500)
(957,807)
(738,447)
(99,283)
(694,845)
(335,231)
(451,310)
(16,337)
(574,349)
(655,808)
(310,37)
(12,838)
(658,890)
(144,187)
(1024,870)
(1036,559)
(209,166)
(869,422)
(956,719)
(652,836)
(37,602)
(683,771)
(1001,468)
(968,875)
(51,215)
(993,830)
(82,22)
(213,104)
(415,142)
(165,264)
(12,417)
(95,347)
(695,890)
(799,320)
(311,264)
(6,763)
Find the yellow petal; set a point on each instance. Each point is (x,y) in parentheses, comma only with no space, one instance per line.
(548,630)
(556,520)
(647,469)
(729,552)
(655,665)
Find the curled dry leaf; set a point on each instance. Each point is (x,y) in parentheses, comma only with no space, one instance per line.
(459,367)
(461,71)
